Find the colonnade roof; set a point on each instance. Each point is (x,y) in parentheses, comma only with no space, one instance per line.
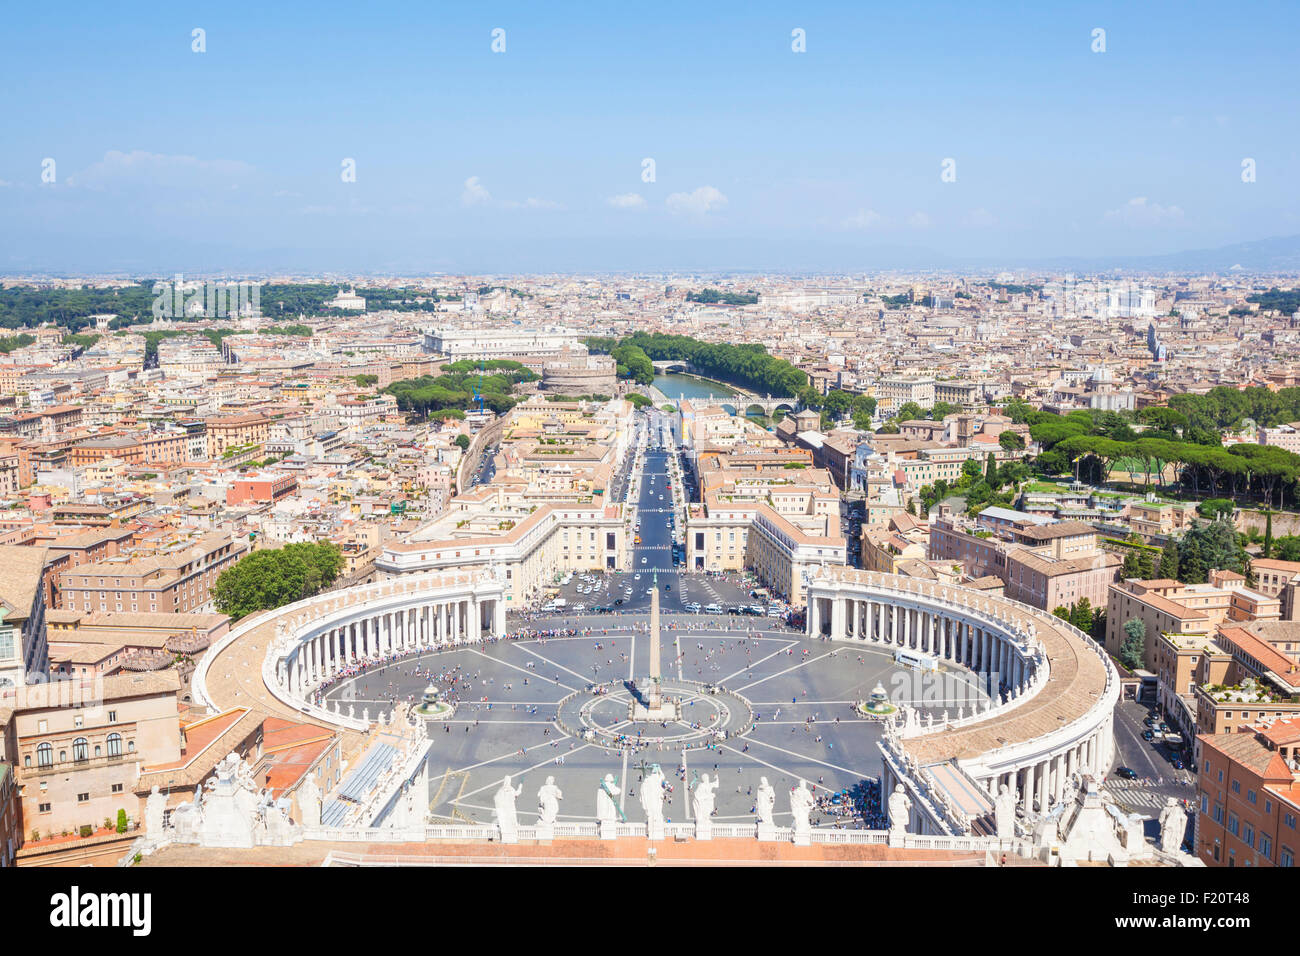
(234,674)
(1077,678)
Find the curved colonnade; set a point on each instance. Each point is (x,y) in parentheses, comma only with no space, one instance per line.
(1052,694)
(319,637)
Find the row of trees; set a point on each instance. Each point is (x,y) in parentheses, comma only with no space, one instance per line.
(1094,444)
(1224,407)
(835,404)
(714,296)
(454,389)
(1215,545)
(749,366)
(71,308)
(272,578)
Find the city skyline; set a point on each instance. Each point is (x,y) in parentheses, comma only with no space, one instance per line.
(1059,143)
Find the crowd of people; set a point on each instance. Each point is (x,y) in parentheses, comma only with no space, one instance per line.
(854,808)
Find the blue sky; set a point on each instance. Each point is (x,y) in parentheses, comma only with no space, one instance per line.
(532,158)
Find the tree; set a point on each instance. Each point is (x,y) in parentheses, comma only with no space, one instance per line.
(462,442)
(1210,546)
(1146,564)
(1131,568)
(1268,534)
(1062,612)
(1213,507)
(1011,441)
(1132,652)
(1169,561)
(909,411)
(121,821)
(1081,615)
(991,470)
(271,578)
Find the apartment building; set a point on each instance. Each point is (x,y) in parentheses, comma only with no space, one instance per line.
(1248,795)
(780,553)
(901,539)
(1286,437)
(1164,605)
(1281,580)
(261,489)
(235,431)
(78,749)
(11,816)
(1043,562)
(496,528)
(176,581)
(894,391)
(23,648)
(1156,520)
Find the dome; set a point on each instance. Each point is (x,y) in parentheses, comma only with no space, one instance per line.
(1102,376)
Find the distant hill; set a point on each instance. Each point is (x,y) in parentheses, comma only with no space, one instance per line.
(1280,254)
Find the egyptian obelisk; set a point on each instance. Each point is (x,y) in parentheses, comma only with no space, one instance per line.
(652,692)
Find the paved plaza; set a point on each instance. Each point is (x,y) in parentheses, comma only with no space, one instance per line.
(794,719)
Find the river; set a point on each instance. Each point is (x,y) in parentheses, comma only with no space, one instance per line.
(688,386)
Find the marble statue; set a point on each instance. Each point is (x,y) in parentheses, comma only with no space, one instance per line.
(1004,813)
(155,808)
(652,798)
(309,802)
(1173,826)
(606,808)
(900,810)
(765,802)
(548,802)
(413,815)
(703,797)
(185,822)
(507,818)
(801,804)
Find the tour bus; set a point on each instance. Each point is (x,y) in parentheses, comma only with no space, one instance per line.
(922,662)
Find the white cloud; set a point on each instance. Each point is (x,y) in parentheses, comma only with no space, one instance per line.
(627,201)
(474,194)
(141,168)
(918,220)
(1140,213)
(864,219)
(697,203)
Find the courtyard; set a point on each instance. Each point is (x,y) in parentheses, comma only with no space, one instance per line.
(756,702)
